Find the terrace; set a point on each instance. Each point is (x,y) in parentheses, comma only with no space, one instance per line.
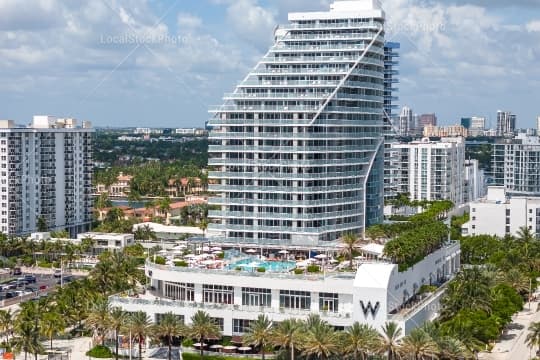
(200,257)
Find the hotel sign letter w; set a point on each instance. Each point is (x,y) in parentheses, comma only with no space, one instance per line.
(369,308)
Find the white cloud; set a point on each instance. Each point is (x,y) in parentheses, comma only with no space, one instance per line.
(533,26)
(252,22)
(188,21)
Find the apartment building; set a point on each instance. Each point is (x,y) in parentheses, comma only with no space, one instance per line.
(432,170)
(45,172)
(515,164)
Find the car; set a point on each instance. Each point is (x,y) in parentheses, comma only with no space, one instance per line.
(43,287)
(57,273)
(11,286)
(17,271)
(31,288)
(30,279)
(10,295)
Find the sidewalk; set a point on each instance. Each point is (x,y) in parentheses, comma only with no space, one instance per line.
(512,345)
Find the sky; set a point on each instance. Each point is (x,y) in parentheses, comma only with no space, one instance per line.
(163,63)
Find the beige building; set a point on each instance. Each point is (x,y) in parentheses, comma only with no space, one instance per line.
(445,131)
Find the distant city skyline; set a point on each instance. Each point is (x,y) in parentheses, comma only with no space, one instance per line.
(163,64)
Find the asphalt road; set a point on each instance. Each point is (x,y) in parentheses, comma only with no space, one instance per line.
(46,280)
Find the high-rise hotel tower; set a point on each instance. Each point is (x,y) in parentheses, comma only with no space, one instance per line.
(297,150)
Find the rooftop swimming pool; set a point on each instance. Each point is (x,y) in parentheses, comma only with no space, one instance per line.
(252,264)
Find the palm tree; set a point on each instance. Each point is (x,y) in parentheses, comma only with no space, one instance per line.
(526,237)
(349,242)
(203,225)
(389,344)
(288,335)
(516,279)
(27,329)
(169,327)
(6,322)
(321,341)
(419,345)
(117,320)
(360,340)
(52,324)
(139,325)
(87,244)
(259,333)
(99,319)
(27,338)
(203,327)
(533,337)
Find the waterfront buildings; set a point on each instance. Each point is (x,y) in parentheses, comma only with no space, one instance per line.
(432,170)
(516,164)
(236,290)
(500,214)
(45,173)
(298,148)
(506,123)
(445,131)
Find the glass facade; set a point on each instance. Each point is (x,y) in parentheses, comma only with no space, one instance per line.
(297,151)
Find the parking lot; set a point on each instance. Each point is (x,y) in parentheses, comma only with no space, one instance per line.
(17,290)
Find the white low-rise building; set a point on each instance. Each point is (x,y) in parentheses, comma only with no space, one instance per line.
(500,214)
(108,241)
(235,294)
(102,241)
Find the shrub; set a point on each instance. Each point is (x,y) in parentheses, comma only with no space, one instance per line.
(298,271)
(181,263)
(313,269)
(187,343)
(45,264)
(100,352)
(238,268)
(427,289)
(261,270)
(160,260)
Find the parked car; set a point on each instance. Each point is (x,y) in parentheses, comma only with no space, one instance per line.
(57,273)
(10,295)
(17,271)
(30,278)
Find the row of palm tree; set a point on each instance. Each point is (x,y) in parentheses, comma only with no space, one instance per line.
(312,338)
(105,320)
(315,338)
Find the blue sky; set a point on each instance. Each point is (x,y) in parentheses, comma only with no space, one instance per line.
(80,59)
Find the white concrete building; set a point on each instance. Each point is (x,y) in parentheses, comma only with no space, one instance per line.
(501,214)
(406,122)
(516,164)
(432,170)
(376,293)
(475,182)
(45,172)
(107,241)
